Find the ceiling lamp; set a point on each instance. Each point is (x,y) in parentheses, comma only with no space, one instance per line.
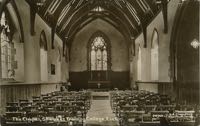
(36,3)
(195,43)
(98,9)
(161,1)
(40,2)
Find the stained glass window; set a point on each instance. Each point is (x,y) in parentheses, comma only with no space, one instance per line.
(6,49)
(99,54)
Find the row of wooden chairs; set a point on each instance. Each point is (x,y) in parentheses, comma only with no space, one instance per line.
(143,106)
(56,107)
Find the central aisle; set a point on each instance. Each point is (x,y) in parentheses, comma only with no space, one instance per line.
(100,113)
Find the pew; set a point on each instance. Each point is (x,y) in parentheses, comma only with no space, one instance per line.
(56,108)
(146,108)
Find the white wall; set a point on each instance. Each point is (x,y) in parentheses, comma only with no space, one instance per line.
(28,54)
(119,49)
(33,70)
(43,65)
(31,45)
(19,57)
(164,42)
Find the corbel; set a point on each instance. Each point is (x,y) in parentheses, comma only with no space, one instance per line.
(163,4)
(33,10)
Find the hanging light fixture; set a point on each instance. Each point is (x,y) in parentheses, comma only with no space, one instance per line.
(36,3)
(161,1)
(40,2)
(195,43)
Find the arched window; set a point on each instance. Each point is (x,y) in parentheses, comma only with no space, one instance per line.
(154,56)
(139,64)
(7,56)
(99,56)
(99,52)
(43,57)
(58,63)
(43,41)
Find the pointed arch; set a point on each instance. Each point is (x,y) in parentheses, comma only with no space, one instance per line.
(155,55)
(139,64)
(12,38)
(99,52)
(43,57)
(155,38)
(13,8)
(43,41)
(6,47)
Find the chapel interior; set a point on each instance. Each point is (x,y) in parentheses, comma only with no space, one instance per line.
(99,63)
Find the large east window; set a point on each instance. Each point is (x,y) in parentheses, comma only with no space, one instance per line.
(99,54)
(99,57)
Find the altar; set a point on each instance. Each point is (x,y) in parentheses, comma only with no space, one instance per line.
(99,85)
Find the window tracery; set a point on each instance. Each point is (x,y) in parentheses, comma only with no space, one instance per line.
(99,54)
(7,54)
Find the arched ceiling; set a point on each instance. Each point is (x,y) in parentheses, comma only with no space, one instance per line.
(68,17)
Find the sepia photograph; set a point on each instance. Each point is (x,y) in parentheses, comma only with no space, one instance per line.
(99,63)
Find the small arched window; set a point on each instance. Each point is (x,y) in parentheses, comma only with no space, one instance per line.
(139,64)
(154,55)
(43,57)
(43,41)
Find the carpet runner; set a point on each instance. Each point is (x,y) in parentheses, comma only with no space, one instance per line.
(100,113)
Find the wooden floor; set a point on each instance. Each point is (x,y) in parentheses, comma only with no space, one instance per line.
(100,113)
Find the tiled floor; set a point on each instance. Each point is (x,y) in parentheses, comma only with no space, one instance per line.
(100,113)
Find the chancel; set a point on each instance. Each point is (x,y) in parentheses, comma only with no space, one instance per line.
(99,62)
